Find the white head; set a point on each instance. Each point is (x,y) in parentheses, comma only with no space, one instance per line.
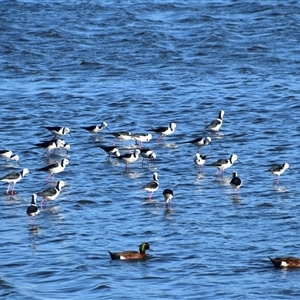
(233,158)
(116,152)
(67,147)
(207,140)
(61,184)
(25,171)
(173,125)
(104,125)
(137,151)
(152,155)
(65,161)
(286,166)
(15,157)
(221,114)
(155,176)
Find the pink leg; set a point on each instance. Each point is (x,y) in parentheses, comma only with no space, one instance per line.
(7,189)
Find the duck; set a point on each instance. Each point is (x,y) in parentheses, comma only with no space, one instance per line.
(216,124)
(285,262)
(152,186)
(131,255)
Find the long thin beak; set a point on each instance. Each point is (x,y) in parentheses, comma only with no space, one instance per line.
(71,135)
(107,128)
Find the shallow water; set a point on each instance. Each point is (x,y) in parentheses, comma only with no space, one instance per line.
(138,65)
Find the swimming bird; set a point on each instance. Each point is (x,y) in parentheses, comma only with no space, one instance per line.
(147,154)
(285,262)
(7,154)
(56,130)
(129,158)
(131,254)
(164,131)
(235,181)
(121,136)
(55,168)
(32,209)
(50,194)
(95,128)
(168,195)
(51,145)
(216,124)
(200,142)
(111,151)
(223,164)
(199,160)
(13,178)
(141,138)
(277,170)
(152,186)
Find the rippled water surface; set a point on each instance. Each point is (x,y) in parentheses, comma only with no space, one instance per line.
(138,65)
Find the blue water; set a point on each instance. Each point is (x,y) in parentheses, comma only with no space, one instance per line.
(138,65)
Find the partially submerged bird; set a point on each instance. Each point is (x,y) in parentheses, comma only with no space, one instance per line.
(7,154)
(13,178)
(56,130)
(121,136)
(148,155)
(168,195)
(111,151)
(277,170)
(152,186)
(216,124)
(200,142)
(55,168)
(223,164)
(51,194)
(141,138)
(164,131)
(285,262)
(32,209)
(131,255)
(235,181)
(199,160)
(95,128)
(129,158)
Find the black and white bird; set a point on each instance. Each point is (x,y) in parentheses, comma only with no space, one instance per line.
(121,136)
(129,158)
(223,164)
(235,181)
(200,160)
(148,155)
(152,186)
(277,170)
(216,124)
(7,154)
(55,168)
(58,131)
(168,195)
(111,151)
(33,210)
(51,145)
(164,131)
(141,138)
(13,178)
(95,128)
(200,142)
(50,194)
